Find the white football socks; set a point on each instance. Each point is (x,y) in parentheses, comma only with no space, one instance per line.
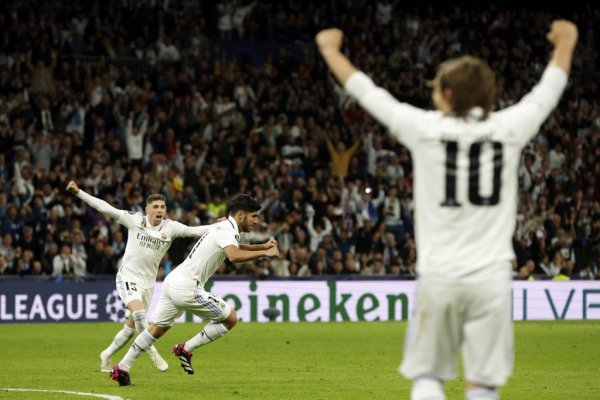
(120,340)
(139,318)
(142,342)
(210,333)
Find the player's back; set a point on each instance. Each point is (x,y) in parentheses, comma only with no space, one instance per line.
(465,174)
(465,195)
(207,255)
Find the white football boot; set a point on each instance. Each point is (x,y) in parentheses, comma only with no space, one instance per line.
(105,365)
(157,360)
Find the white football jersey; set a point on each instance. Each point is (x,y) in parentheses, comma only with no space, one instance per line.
(146,244)
(465,174)
(206,256)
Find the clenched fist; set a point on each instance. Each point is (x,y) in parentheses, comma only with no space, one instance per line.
(329,39)
(562,32)
(72,187)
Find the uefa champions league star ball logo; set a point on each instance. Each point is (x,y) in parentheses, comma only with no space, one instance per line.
(114,307)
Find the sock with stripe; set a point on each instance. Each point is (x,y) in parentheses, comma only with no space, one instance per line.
(142,342)
(210,333)
(120,340)
(139,318)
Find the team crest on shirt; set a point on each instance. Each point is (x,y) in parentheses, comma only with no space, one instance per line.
(163,236)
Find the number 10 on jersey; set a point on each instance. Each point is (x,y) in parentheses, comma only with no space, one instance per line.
(475,196)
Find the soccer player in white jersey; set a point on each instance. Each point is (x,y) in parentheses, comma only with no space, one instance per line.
(183,289)
(466,159)
(149,237)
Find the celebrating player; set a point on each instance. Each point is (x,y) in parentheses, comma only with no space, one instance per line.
(183,289)
(149,238)
(466,159)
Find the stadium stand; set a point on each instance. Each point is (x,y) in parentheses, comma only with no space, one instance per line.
(200,100)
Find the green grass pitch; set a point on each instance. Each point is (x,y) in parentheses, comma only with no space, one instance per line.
(355,360)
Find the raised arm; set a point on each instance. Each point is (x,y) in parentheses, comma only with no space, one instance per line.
(398,117)
(329,42)
(129,127)
(532,110)
(563,35)
(94,202)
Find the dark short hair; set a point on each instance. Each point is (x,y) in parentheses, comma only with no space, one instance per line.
(154,197)
(243,202)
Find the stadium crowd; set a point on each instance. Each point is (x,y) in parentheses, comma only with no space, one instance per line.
(132,98)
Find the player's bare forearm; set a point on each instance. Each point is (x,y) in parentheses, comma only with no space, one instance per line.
(252,247)
(238,255)
(255,247)
(329,43)
(563,35)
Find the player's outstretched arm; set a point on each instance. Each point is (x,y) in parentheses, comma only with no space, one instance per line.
(94,202)
(563,35)
(182,230)
(190,231)
(329,43)
(237,255)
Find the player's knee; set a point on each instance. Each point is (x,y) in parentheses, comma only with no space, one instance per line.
(231,320)
(130,323)
(135,305)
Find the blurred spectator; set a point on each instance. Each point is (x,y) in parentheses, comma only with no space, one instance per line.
(65,264)
(131,110)
(4,266)
(318,231)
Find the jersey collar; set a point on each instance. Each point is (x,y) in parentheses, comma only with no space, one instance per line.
(233,223)
(146,224)
(476,113)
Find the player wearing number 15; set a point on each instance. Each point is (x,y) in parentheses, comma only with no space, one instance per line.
(183,289)
(149,237)
(465,174)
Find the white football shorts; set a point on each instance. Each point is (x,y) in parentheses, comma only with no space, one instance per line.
(128,290)
(474,318)
(174,300)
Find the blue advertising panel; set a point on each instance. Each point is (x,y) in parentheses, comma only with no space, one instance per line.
(47,301)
